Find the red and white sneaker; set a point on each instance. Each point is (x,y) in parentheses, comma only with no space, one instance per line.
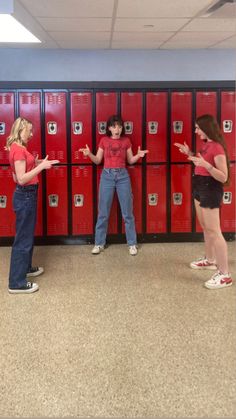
(203,263)
(219,280)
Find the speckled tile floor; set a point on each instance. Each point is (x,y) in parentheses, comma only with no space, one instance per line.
(118,336)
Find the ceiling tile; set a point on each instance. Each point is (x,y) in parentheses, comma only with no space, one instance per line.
(81,36)
(213,25)
(75,24)
(77,44)
(160,8)
(149,25)
(70,8)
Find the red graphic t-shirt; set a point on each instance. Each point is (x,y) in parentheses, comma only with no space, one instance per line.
(209,150)
(18,152)
(115,151)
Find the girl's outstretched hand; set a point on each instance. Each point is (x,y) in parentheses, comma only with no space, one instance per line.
(141,153)
(183,148)
(85,150)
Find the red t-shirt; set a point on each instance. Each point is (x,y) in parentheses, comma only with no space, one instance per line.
(17,152)
(115,151)
(209,150)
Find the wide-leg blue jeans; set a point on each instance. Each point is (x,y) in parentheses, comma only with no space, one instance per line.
(25,207)
(111,180)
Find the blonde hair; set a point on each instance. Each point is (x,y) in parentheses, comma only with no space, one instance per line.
(16,129)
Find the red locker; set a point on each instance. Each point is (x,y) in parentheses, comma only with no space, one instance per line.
(106,105)
(135,173)
(156,126)
(156,199)
(7,116)
(181,123)
(131,111)
(82,200)
(29,107)
(7,215)
(55,126)
(81,125)
(228,120)
(206,103)
(113,220)
(228,210)
(57,206)
(181,219)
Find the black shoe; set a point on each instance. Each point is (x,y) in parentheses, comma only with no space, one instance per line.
(35,271)
(26,289)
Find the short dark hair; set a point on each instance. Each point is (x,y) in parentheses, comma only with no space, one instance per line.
(112,121)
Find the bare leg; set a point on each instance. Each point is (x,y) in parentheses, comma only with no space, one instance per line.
(214,238)
(209,246)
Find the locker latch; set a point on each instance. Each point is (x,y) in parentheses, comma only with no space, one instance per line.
(77,127)
(3,201)
(227,198)
(152,127)
(78,200)
(53,200)
(128,126)
(227,125)
(178,127)
(152,198)
(52,127)
(2,128)
(102,126)
(177,198)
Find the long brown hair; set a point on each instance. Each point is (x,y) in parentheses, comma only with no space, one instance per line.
(14,137)
(209,125)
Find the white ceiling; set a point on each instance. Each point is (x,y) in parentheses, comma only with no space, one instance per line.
(127,24)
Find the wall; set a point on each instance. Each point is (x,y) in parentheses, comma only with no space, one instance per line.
(127,65)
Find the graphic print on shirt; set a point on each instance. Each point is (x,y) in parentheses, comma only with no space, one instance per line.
(115,150)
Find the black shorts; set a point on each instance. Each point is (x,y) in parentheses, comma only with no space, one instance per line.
(208,191)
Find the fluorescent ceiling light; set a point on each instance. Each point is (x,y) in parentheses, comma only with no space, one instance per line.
(13,31)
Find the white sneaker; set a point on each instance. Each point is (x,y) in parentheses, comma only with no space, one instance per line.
(219,280)
(203,263)
(97,249)
(35,271)
(133,250)
(26,289)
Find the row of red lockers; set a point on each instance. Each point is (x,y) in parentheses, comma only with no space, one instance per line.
(82,196)
(55,120)
(81,176)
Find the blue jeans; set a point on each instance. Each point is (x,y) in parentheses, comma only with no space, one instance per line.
(111,180)
(25,207)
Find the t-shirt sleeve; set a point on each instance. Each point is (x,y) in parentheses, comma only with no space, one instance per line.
(129,145)
(19,154)
(101,144)
(218,149)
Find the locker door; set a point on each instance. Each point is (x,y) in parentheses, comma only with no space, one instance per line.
(82,200)
(131,111)
(156,126)
(113,220)
(57,206)
(156,199)
(55,126)
(7,216)
(106,105)
(181,123)
(228,121)
(7,116)
(29,107)
(135,173)
(81,125)
(206,103)
(181,220)
(228,210)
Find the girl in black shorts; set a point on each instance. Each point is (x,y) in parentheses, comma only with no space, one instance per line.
(210,174)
